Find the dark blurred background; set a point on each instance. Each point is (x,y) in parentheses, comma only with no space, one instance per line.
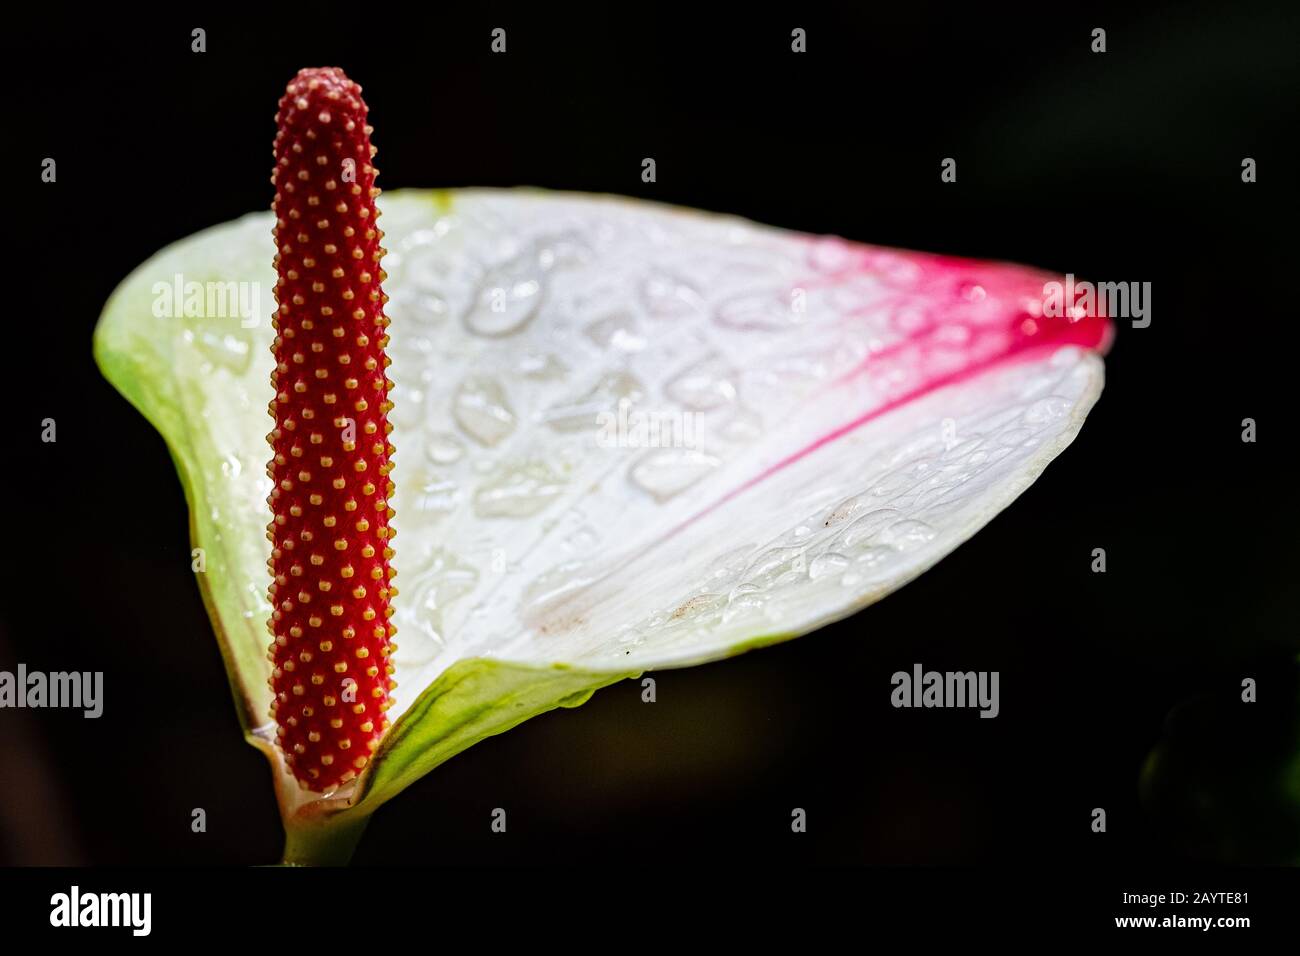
(1120,166)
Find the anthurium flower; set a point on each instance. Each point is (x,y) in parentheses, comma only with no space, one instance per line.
(624,437)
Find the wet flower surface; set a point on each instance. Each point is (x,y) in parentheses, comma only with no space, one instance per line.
(830,419)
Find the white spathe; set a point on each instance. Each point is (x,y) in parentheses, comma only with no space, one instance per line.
(605,416)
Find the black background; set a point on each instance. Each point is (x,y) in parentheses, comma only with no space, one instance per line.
(1123,166)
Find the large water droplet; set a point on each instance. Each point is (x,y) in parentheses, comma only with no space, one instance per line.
(665,473)
(744,601)
(438,579)
(865,529)
(776,565)
(481,409)
(703,386)
(413,307)
(908,535)
(825,564)
(436,496)
(443,448)
(744,426)
(760,312)
(728,567)
(508,296)
(518,491)
(580,413)
(428,279)
(555,585)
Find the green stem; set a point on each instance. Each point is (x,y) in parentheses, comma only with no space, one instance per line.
(330,842)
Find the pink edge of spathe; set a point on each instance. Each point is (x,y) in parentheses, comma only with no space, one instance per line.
(998,307)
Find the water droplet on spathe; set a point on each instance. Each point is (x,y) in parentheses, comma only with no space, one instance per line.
(581,412)
(481,409)
(907,535)
(825,564)
(442,448)
(518,491)
(508,297)
(760,312)
(665,473)
(703,386)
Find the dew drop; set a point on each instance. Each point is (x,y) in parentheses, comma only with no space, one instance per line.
(825,564)
(774,564)
(443,448)
(866,527)
(518,491)
(553,585)
(481,409)
(437,581)
(667,472)
(908,535)
(1046,410)
(762,312)
(580,413)
(508,297)
(437,496)
(743,602)
(743,427)
(704,386)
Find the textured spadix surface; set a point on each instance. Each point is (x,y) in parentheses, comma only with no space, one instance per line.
(628,436)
